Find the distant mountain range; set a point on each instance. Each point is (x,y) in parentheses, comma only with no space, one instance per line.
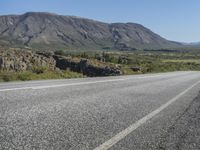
(194,44)
(51,31)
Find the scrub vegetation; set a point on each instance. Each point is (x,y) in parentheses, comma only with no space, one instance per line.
(144,61)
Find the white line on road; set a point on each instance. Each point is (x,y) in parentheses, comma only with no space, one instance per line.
(13,89)
(73,84)
(108,144)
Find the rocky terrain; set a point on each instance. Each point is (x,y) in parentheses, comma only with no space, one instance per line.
(22,60)
(13,60)
(51,31)
(88,67)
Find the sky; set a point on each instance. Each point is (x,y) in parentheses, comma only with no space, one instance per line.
(177,20)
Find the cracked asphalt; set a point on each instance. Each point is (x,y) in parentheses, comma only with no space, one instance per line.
(81,114)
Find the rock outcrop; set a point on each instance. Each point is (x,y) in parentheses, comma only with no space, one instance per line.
(21,60)
(87,67)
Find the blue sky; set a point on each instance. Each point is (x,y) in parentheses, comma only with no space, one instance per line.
(177,20)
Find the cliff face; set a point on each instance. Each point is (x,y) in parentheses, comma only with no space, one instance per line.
(51,31)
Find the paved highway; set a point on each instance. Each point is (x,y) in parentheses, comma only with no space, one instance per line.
(154,111)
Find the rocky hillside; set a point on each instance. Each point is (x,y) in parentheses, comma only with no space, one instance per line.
(51,31)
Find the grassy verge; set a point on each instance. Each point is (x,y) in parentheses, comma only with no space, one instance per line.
(25,76)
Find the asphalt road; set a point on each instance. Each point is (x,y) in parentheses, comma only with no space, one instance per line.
(154,111)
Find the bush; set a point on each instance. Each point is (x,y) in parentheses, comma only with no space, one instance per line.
(7,77)
(24,76)
(59,52)
(39,69)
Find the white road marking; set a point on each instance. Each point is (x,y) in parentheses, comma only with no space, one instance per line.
(13,89)
(108,144)
(73,84)
(82,83)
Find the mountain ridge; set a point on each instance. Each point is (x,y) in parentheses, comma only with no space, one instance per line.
(52,31)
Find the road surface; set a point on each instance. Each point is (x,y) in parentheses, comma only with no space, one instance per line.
(154,111)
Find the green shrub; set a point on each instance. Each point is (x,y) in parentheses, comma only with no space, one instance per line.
(7,77)
(59,52)
(25,76)
(39,69)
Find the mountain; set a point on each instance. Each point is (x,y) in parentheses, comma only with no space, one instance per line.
(194,44)
(52,31)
